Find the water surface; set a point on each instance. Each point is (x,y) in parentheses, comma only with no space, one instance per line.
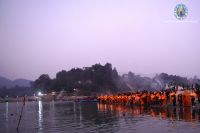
(70,117)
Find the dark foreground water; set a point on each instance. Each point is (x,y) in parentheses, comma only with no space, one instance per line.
(69,117)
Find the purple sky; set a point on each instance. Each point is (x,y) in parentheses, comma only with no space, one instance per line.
(46,36)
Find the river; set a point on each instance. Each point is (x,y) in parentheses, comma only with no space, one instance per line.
(70,117)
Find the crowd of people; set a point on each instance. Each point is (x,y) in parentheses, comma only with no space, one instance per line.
(157,98)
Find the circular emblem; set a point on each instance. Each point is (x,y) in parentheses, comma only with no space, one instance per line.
(180,11)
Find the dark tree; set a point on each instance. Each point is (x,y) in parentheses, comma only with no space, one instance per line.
(43,83)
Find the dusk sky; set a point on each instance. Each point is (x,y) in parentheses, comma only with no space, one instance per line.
(142,36)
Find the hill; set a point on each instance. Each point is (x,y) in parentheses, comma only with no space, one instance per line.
(4,82)
(99,79)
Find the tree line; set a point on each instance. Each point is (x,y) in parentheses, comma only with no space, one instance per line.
(99,79)
(86,81)
(105,79)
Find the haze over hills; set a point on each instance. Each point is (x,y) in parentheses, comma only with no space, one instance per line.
(105,79)
(4,82)
(98,78)
(94,80)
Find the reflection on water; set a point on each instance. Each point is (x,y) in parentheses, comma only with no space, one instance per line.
(173,113)
(62,117)
(80,115)
(40,120)
(6,111)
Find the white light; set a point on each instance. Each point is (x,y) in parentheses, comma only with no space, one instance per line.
(40,94)
(53,93)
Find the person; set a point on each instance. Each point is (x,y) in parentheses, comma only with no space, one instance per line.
(24,100)
(187,98)
(163,99)
(180,100)
(193,97)
(173,98)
